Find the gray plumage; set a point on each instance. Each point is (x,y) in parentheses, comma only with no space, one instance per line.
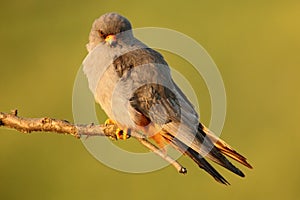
(133,85)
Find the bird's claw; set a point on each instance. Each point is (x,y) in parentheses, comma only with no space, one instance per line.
(122,134)
(109,122)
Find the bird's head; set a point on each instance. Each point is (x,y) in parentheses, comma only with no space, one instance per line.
(110,28)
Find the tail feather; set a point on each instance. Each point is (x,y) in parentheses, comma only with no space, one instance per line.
(202,163)
(224,147)
(214,154)
(211,147)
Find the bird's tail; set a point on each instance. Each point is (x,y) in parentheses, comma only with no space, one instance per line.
(202,163)
(224,148)
(213,153)
(205,144)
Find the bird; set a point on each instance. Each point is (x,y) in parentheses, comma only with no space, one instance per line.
(133,85)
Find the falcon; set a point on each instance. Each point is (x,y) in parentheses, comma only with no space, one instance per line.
(133,85)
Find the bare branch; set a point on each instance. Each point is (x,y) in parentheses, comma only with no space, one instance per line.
(162,154)
(46,124)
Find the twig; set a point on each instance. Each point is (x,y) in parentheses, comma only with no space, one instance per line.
(165,156)
(46,124)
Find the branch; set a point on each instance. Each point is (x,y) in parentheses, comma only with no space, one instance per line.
(46,124)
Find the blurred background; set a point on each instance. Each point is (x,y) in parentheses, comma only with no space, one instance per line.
(255,44)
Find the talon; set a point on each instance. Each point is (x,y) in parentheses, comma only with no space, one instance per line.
(122,134)
(109,122)
(119,133)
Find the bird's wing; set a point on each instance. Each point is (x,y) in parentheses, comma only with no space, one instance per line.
(157,99)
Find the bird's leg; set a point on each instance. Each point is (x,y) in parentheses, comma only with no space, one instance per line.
(121,134)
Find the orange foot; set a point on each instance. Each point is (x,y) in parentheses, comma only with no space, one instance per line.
(120,134)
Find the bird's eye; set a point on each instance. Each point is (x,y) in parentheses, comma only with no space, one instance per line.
(101,34)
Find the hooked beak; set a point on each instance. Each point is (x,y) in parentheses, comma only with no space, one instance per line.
(111,39)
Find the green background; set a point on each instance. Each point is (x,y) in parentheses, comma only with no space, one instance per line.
(255,44)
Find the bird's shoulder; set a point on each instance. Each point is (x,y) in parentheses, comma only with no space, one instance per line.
(140,55)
